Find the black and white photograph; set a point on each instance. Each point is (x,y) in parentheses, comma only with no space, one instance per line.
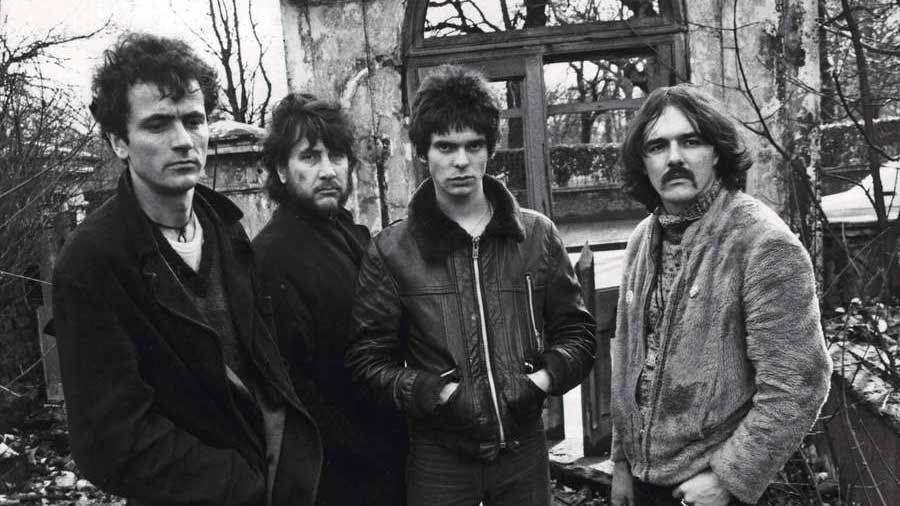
(450,252)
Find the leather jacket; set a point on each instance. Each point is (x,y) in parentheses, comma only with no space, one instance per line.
(483,312)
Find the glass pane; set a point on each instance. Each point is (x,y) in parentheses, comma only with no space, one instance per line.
(445,18)
(591,127)
(507,93)
(584,172)
(508,162)
(598,79)
(575,12)
(590,103)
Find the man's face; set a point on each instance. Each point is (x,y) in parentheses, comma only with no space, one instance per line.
(315,177)
(167,139)
(457,161)
(679,164)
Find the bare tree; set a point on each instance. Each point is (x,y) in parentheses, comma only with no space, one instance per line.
(47,148)
(862,81)
(241,67)
(46,142)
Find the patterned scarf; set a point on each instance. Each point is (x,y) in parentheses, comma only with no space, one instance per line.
(674,225)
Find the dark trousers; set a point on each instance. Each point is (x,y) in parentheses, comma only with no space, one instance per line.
(347,481)
(520,475)
(646,494)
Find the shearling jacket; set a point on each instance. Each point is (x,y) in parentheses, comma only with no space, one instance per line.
(481,312)
(742,371)
(150,410)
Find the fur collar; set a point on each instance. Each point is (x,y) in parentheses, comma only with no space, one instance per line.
(438,235)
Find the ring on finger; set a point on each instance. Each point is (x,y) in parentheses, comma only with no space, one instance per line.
(685,503)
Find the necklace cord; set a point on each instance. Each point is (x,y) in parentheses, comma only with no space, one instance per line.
(181,229)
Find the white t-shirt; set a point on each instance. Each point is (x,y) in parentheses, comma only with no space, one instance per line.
(190,251)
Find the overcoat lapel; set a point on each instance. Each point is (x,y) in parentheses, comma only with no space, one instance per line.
(192,339)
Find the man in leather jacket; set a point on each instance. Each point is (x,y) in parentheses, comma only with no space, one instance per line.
(468,313)
(175,389)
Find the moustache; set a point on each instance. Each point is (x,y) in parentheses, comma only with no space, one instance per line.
(677,173)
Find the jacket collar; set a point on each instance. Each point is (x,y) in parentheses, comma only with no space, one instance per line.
(438,235)
(338,225)
(134,216)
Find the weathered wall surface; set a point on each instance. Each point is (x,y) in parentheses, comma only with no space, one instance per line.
(234,168)
(240,176)
(761,49)
(350,51)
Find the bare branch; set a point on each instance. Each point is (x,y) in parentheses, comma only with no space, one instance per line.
(262,69)
(870,143)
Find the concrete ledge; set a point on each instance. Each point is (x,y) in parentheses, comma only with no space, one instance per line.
(859,366)
(568,464)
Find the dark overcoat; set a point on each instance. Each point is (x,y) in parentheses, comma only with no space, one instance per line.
(149,407)
(308,264)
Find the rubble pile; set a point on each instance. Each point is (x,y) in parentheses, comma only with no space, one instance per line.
(36,468)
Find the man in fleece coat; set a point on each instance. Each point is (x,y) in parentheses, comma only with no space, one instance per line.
(719,364)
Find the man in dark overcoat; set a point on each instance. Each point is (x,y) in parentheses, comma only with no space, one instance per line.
(308,258)
(175,389)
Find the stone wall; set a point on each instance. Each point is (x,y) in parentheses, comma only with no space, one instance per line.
(234,168)
(349,51)
(18,339)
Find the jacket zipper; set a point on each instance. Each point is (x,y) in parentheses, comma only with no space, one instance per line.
(538,342)
(484,338)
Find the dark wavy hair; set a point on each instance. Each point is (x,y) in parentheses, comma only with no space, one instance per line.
(453,98)
(714,127)
(168,63)
(302,116)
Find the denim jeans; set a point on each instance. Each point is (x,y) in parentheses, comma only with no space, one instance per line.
(646,494)
(519,476)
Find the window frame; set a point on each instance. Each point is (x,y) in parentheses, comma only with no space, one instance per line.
(523,53)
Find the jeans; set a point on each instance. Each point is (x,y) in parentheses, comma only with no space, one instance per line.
(646,494)
(519,476)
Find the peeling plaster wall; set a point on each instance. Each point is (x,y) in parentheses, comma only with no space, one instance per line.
(349,51)
(778,47)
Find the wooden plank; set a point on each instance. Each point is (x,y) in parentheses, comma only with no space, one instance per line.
(538,184)
(52,374)
(631,104)
(608,33)
(554,420)
(595,390)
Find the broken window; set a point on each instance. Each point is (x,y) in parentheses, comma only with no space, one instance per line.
(569,75)
(447,18)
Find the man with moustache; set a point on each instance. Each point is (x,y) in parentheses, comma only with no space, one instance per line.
(175,389)
(308,257)
(480,299)
(719,364)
